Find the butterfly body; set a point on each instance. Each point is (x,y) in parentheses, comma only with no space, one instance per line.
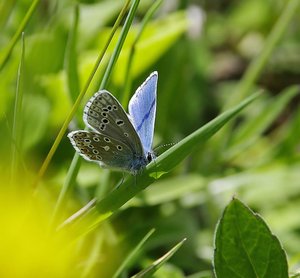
(118,140)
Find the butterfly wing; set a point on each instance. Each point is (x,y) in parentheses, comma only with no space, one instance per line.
(105,150)
(142,110)
(104,114)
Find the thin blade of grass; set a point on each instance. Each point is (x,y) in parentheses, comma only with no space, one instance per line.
(17,117)
(257,65)
(79,98)
(145,20)
(11,45)
(149,271)
(119,45)
(132,254)
(74,169)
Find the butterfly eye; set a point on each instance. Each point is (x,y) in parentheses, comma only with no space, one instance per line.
(105,121)
(102,127)
(149,157)
(105,109)
(104,114)
(98,157)
(87,140)
(109,107)
(95,151)
(119,148)
(90,146)
(96,139)
(106,139)
(125,134)
(115,107)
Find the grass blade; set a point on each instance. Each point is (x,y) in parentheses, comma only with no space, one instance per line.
(9,49)
(258,64)
(17,117)
(164,163)
(132,254)
(73,171)
(146,19)
(149,271)
(79,99)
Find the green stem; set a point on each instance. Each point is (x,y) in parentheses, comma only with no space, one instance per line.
(18,33)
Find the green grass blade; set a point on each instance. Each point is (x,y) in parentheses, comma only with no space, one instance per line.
(149,271)
(146,19)
(17,117)
(133,253)
(251,130)
(4,57)
(162,164)
(258,64)
(79,99)
(73,170)
(119,45)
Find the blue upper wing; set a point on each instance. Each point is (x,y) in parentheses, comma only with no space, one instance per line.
(142,109)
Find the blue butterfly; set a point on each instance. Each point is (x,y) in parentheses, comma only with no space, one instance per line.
(118,140)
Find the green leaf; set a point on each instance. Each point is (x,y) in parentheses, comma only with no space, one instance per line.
(245,246)
(149,271)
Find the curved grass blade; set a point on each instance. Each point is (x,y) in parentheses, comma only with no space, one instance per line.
(78,100)
(132,254)
(74,168)
(149,271)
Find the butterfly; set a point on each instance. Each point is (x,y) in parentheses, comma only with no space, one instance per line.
(118,140)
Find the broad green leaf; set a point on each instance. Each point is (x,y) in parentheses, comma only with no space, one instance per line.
(149,271)
(245,246)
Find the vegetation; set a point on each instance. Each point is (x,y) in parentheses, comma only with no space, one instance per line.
(222,197)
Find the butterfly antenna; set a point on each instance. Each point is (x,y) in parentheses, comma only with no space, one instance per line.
(162,146)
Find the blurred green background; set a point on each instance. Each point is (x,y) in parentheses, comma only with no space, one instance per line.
(201,50)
